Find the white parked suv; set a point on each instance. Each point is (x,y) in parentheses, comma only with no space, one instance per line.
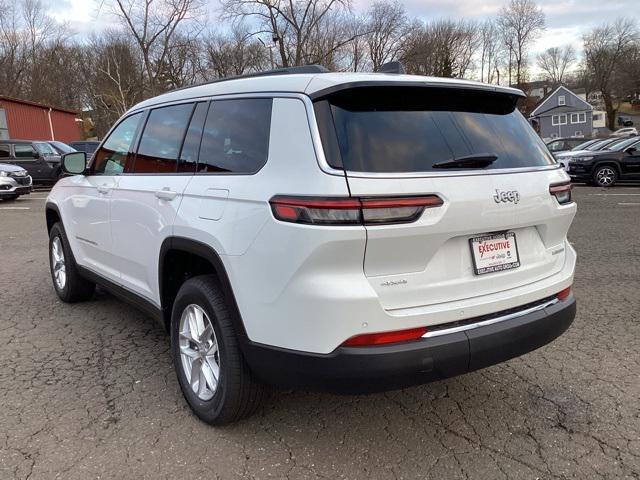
(340,231)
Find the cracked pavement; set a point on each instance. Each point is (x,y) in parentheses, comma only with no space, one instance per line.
(88,390)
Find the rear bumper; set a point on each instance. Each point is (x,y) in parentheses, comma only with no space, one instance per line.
(366,369)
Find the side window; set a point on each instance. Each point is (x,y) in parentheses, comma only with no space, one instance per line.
(191,147)
(162,138)
(24,151)
(236,136)
(5,151)
(44,148)
(112,157)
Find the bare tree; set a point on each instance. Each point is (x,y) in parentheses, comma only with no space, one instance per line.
(356,50)
(520,22)
(555,62)
(234,54)
(14,60)
(290,24)
(605,47)
(443,48)
(112,77)
(153,24)
(386,26)
(490,51)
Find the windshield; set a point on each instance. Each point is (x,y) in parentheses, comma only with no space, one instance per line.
(584,145)
(63,147)
(398,130)
(45,148)
(619,146)
(600,145)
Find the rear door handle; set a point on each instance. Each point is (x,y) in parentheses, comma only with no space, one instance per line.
(104,188)
(166,194)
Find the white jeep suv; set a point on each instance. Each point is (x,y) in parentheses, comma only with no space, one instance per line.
(340,231)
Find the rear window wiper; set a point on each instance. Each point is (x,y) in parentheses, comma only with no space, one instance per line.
(481,160)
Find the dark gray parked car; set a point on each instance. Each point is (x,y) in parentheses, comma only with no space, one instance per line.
(36,157)
(88,146)
(14,181)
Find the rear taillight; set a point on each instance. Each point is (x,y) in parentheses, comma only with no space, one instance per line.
(351,211)
(372,339)
(562,192)
(563,294)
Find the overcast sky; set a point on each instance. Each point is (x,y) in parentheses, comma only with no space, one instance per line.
(566,19)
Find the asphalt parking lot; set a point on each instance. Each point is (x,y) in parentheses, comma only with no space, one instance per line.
(88,390)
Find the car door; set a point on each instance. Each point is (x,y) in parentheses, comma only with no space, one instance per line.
(88,204)
(25,156)
(630,162)
(147,197)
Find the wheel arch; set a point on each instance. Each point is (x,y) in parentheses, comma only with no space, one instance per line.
(607,162)
(52,215)
(188,246)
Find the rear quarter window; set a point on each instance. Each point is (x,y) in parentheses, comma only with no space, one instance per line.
(409,130)
(235,137)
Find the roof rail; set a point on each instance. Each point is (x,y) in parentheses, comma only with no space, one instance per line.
(390,67)
(276,71)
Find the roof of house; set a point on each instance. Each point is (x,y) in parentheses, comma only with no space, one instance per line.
(36,104)
(312,84)
(540,110)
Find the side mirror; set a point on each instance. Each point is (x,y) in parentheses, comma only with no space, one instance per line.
(74,163)
(631,150)
(36,154)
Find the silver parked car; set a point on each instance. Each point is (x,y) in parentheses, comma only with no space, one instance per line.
(14,181)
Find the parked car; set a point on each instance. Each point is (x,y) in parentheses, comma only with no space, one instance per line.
(60,147)
(625,121)
(605,168)
(625,132)
(14,181)
(36,157)
(299,229)
(558,145)
(603,144)
(88,146)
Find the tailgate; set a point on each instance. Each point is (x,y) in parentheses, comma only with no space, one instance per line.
(430,261)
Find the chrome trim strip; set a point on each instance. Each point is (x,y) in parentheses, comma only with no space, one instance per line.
(491,321)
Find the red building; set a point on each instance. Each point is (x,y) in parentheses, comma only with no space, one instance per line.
(25,120)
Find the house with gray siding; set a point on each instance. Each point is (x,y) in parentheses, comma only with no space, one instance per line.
(562,114)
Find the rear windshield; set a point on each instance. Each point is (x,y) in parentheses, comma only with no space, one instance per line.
(397,130)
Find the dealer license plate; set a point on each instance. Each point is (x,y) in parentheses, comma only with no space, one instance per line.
(496,252)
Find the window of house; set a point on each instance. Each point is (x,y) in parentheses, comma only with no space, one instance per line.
(582,117)
(559,119)
(236,136)
(162,138)
(574,118)
(561,100)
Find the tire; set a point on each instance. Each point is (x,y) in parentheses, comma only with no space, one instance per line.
(235,393)
(605,176)
(68,283)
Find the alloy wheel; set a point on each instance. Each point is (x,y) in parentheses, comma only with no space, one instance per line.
(199,353)
(58,262)
(605,176)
